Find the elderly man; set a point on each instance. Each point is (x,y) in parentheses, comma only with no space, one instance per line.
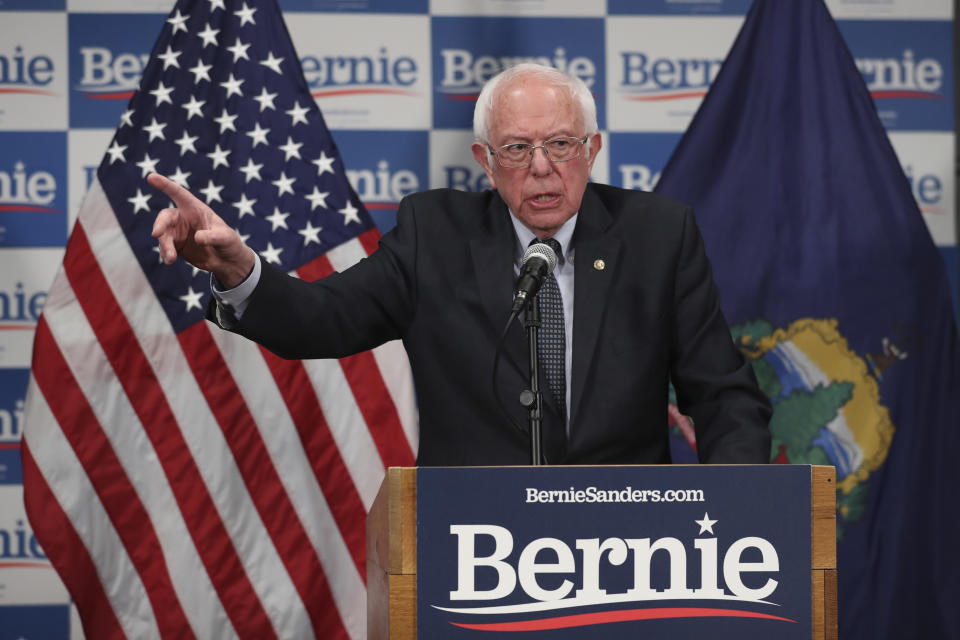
(639,307)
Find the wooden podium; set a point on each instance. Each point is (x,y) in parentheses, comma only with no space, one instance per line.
(392,556)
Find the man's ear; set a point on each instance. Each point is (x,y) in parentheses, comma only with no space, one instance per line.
(484,159)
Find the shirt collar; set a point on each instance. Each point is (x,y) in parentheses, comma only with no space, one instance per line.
(564,236)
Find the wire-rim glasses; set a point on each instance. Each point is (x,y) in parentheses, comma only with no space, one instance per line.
(520,154)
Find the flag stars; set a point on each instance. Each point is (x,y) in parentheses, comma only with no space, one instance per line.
(155,129)
(180,177)
(278,219)
(216,4)
(297,114)
(324,164)
(283,184)
(126,120)
(209,35)
(116,152)
(185,142)
(147,166)
(200,72)
(271,254)
(271,62)
(169,58)
(291,149)
(211,192)
(139,202)
(246,15)
(350,214)
(265,100)
(258,135)
(179,22)
(244,205)
(232,85)
(194,107)
(162,93)
(251,170)
(706,525)
(310,234)
(317,198)
(192,299)
(225,120)
(219,156)
(239,50)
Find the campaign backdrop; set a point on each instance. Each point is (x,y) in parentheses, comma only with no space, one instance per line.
(396,81)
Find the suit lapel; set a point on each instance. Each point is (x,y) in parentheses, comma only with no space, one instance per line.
(493,255)
(596,258)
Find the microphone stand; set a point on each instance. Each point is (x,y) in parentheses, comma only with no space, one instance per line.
(530,398)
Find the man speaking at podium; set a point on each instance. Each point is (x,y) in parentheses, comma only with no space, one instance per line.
(630,306)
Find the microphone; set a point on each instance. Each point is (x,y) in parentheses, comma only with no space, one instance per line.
(538,261)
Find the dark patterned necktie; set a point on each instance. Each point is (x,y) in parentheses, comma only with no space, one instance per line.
(552,338)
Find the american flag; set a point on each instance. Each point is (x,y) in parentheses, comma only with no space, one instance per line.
(183,481)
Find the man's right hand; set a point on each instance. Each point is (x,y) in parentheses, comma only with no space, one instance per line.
(194,232)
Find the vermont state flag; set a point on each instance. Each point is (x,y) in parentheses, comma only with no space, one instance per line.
(835,291)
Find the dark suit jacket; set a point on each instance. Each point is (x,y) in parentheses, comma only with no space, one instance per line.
(442,282)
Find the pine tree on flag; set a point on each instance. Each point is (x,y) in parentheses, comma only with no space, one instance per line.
(836,292)
(183,481)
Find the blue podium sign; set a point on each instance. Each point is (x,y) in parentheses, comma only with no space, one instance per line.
(602,552)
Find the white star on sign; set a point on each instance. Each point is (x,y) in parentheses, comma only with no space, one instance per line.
(251,170)
(317,199)
(278,219)
(155,129)
(350,213)
(246,15)
(116,152)
(179,22)
(185,142)
(706,525)
(272,63)
(208,35)
(271,253)
(219,156)
(258,134)
(283,184)
(147,166)
(162,93)
(200,72)
(225,120)
(324,164)
(232,85)
(192,299)
(212,192)
(310,234)
(291,149)
(139,201)
(239,50)
(297,114)
(169,58)
(244,205)
(265,99)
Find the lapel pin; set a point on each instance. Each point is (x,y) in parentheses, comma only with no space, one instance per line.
(599,264)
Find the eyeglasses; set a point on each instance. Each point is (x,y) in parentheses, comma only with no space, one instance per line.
(520,154)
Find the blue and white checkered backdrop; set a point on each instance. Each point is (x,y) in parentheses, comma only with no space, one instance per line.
(396,81)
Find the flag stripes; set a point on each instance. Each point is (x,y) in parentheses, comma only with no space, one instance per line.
(300,531)
(186,482)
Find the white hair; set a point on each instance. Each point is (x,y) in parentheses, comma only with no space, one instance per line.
(575,87)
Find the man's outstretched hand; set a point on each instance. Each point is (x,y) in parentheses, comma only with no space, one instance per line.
(198,235)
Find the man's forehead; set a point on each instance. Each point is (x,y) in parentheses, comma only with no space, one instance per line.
(531,107)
